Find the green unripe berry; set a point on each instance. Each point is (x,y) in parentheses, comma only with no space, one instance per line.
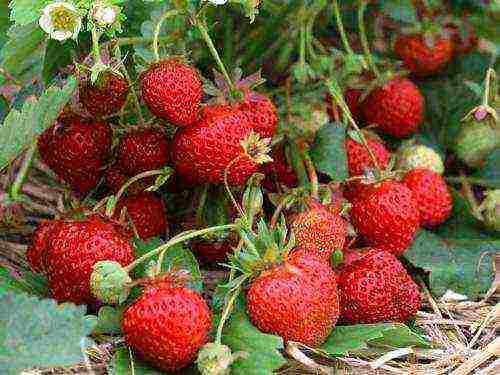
(109,282)
(419,156)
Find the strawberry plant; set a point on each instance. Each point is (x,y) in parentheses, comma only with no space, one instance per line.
(249,186)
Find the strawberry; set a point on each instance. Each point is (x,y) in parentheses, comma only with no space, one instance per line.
(261,113)
(39,244)
(115,178)
(387,215)
(490,210)
(203,152)
(167,325)
(319,231)
(172,90)
(75,247)
(212,252)
(352,98)
(279,171)
(77,151)
(397,107)
(432,195)
(105,97)
(376,288)
(358,158)
(296,300)
(419,156)
(147,212)
(142,150)
(464,36)
(424,56)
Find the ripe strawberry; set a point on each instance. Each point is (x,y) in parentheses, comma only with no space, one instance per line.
(376,288)
(172,90)
(77,150)
(352,98)
(202,153)
(142,150)
(319,231)
(261,112)
(75,247)
(212,252)
(107,96)
(387,215)
(358,158)
(397,107)
(424,57)
(115,178)
(39,243)
(167,325)
(279,171)
(147,212)
(432,195)
(296,300)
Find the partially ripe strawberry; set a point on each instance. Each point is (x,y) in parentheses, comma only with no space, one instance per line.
(358,158)
(376,288)
(212,252)
(261,112)
(172,90)
(279,171)
(115,178)
(39,244)
(386,214)
(296,300)
(75,247)
(424,57)
(319,231)
(419,156)
(147,212)
(432,195)
(142,150)
(77,151)
(167,325)
(397,107)
(105,97)
(202,153)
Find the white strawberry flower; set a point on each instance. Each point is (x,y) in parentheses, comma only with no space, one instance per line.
(104,14)
(61,20)
(217,2)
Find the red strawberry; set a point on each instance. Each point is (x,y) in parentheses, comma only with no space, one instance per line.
(397,107)
(77,150)
(75,247)
(147,212)
(212,252)
(261,113)
(387,215)
(202,153)
(115,179)
(358,158)
(167,325)
(463,35)
(39,244)
(319,231)
(142,150)
(172,90)
(376,288)
(296,300)
(107,96)
(432,195)
(279,171)
(424,57)
(352,98)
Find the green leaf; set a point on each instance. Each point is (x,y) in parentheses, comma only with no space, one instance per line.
(124,363)
(328,151)
(400,10)
(20,128)
(262,355)
(36,332)
(490,172)
(351,338)
(26,282)
(22,55)
(108,321)
(24,12)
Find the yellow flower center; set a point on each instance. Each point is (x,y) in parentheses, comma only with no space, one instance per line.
(63,18)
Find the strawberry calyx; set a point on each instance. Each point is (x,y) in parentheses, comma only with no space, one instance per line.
(257,149)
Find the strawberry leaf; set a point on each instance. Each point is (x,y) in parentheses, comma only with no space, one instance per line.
(262,350)
(25,282)
(345,339)
(328,151)
(40,333)
(108,321)
(20,128)
(490,172)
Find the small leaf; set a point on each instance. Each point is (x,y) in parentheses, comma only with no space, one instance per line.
(262,350)
(108,320)
(24,12)
(40,333)
(351,338)
(125,363)
(20,128)
(328,151)
(27,282)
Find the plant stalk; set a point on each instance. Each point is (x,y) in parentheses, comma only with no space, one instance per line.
(156,35)
(364,39)
(16,187)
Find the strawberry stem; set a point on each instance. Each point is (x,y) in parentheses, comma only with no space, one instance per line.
(95,45)
(364,39)
(23,172)
(311,172)
(200,24)
(227,309)
(165,16)
(228,189)
(488,86)
(340,27)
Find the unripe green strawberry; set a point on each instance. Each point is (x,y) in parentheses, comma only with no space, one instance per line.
(490,208)
(109,282)
(168,324)
(419,156)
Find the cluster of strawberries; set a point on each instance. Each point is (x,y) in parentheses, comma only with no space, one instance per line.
(296,293)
